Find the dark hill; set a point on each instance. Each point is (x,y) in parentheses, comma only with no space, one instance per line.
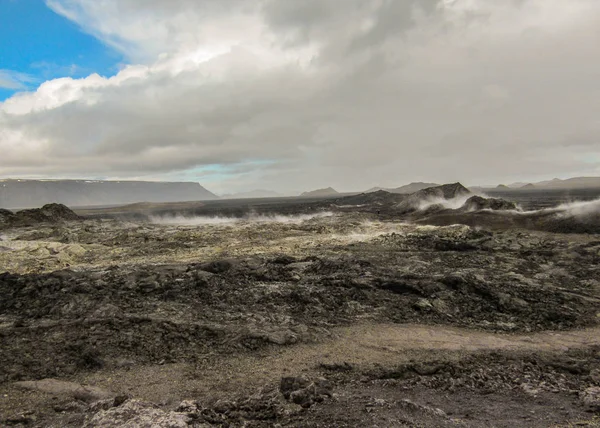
(443,192)
(50,213)
(477,203)
(6,216)
(379,197)
(413,187)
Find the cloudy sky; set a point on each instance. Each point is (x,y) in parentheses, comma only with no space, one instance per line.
(291,95)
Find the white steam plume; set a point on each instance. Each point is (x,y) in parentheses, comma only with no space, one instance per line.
(221,220)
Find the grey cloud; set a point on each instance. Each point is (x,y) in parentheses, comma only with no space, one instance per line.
(392,18)
(422,92)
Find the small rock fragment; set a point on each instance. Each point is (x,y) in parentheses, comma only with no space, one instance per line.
(137,414)
(301,391)
(591,398)
(423,305)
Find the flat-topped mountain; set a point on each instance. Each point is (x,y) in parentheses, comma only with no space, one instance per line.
(33,193)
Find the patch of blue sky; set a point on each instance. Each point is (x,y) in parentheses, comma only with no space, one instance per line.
(591,158)
(215,172)
(220,172)
(36,45)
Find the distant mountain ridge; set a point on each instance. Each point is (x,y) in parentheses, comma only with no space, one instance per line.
(328,191)
(569,183)
(556,183)
(16,193)
(406,189)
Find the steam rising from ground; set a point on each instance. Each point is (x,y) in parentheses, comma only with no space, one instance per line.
(579,208)
(568,209)
(453,204)
(222,220)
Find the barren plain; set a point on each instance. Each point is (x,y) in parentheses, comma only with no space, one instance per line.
(309,313)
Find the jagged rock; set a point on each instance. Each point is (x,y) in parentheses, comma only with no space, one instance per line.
(477,203)
(423,305)
(428,197)
(137,414)
(377,198)
(218,266)
(301,391)
(50,213)
(529,390)
(188,406)
(302,397)
(291,384)
(6,216)
(58,387)
(107,403)
(223,406)
(591,398)
(440,306)
(72,407)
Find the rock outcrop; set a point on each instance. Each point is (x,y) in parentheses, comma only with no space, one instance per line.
(478,203)
(6,216)
(590,398)
(379,197)
(303,392)
(431,196)
(50,213)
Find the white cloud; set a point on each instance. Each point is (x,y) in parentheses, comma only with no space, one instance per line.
(321,92)
(14,80)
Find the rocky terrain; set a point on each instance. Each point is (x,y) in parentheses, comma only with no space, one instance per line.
(325,313)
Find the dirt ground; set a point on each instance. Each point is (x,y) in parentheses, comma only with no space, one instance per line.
(203,316)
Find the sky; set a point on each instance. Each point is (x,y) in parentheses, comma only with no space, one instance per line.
(37,44)
(297,95)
